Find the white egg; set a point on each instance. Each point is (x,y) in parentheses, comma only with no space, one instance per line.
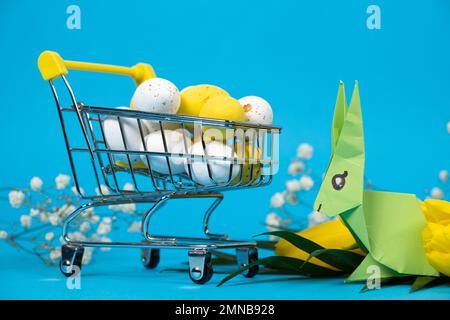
(157,95)
(115,140)
(257,110)
(177,142)
(220,169)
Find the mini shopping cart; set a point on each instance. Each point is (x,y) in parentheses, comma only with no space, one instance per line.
(91,158)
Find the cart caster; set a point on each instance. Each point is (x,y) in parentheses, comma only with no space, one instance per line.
(200,266)
(245,256)
(71,260)
(150,258)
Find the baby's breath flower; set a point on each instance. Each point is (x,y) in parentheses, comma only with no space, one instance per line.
(43,217)
(114,207)
(36,184)
(296,167)
(277,200)
(94,237)
(16,198)
(25,221)
(293,185)
(62,181)
(306,183)
(94,218)
(87,256)
(75,191)
(85,227)
(34,212)
(443,175)
(128,186)
(315,218)
(128,207)
(105,239)
(103,190)
(292,199)
(54,219)
(437,193)
(273,220)
(49,236)
(104,228)
(135,226)
(3,234)
(305,151)
(77,236)
(55,254)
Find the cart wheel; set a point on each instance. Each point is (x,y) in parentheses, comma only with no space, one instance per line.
(200,266)
(150,258)
(245,256)
(71,260)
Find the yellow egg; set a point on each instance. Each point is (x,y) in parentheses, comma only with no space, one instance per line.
(225,108)
(194,98)
(250,159)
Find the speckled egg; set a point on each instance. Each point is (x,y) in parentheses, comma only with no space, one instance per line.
(257,110)
(157,95)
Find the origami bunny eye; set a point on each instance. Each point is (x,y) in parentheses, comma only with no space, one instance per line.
(338,180)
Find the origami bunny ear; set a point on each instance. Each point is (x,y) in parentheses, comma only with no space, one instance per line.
(350,144)
(339,115)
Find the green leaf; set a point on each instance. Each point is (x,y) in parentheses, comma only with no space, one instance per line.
(341,259)
(346,261)
(225,256)
(270,245)
(287,264)
(421,282)
(296,240)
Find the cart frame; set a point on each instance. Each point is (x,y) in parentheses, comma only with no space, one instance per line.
(256,163)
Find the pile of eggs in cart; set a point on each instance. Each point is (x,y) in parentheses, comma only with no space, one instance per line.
(159,95)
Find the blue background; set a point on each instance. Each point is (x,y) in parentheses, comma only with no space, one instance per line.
(292,53)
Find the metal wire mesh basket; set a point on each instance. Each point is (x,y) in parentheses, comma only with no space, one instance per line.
(155,174)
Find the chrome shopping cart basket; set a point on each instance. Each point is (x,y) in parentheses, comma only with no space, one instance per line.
(94,162)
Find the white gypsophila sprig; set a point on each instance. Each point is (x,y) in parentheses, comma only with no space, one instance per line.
(46,212)
(62,181)
(85,227)
(36,184)
(315,218)
(443,176)
(16,198)
(296,167)
(437,193)
(273,220)
(75,191)
(135,226)
(293,185)
(49,236)
(306,183)
(3,234)
(25,221)
(128,186)
(277,200)
(305,151)
(102,191)
(34,212)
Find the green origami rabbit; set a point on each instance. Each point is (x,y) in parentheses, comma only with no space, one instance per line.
(386,225)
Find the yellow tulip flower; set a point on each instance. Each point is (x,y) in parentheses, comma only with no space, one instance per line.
(331,235)
(436,235)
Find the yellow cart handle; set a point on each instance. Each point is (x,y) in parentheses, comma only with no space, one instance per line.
(52,66)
